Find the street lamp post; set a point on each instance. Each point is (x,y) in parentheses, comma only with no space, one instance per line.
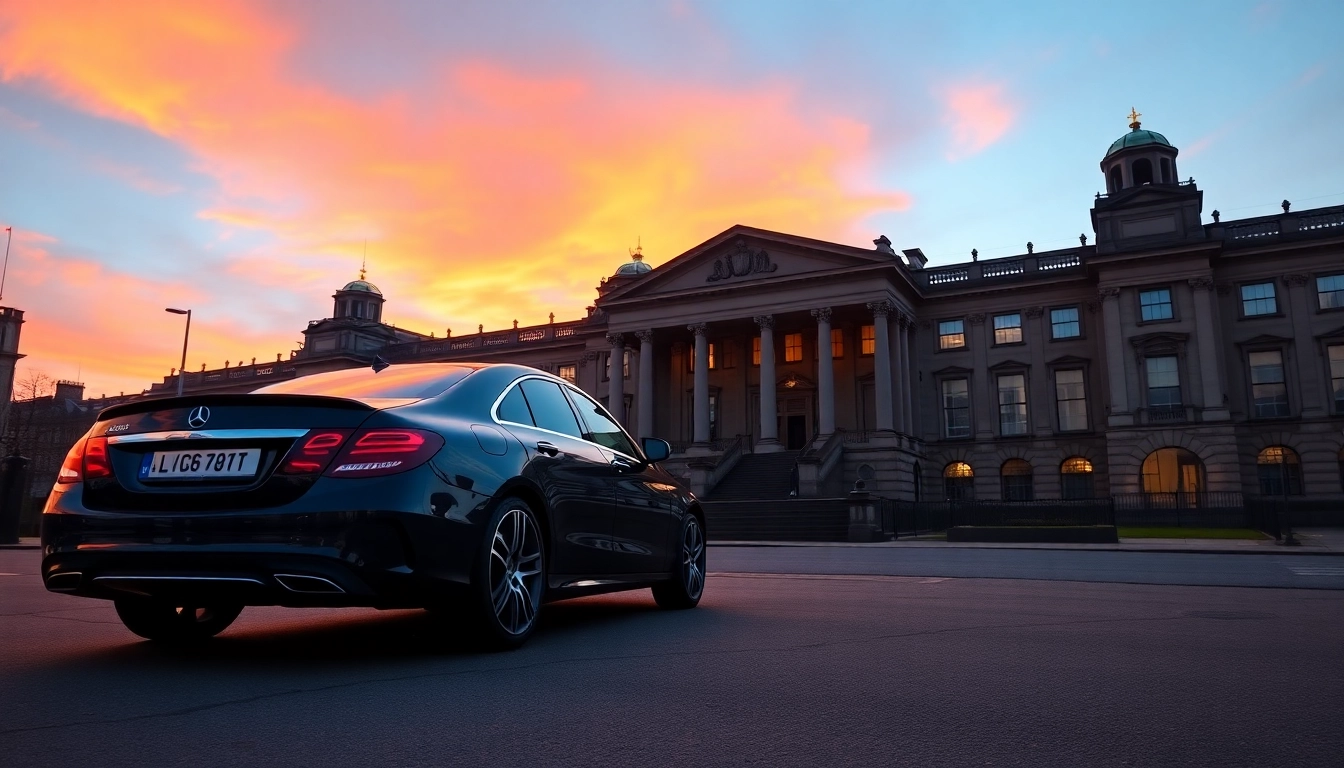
(182,371)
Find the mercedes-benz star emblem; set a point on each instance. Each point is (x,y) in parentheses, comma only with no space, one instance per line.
(198,416)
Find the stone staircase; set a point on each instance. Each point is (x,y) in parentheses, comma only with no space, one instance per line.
(757,476)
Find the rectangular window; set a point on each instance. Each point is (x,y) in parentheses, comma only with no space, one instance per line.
(756,351)
(1071,397)
(1155,304)
(729,354)
(867,339)
(625,365)
(569,373)
(606,366)
(1008,329)
(837,343)
(690,358)
(1269,393)
(1064,323)
(1013,404)
(711,356)
(1258,299)
(1330,291)
(1335,353)
(951,334)
(956,408)
(1164,389)
(793,347)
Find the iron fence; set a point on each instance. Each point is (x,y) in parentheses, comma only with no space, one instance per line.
(1204,509)
(909,518)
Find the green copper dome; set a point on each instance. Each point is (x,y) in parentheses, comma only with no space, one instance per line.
(362,285)
(1137,138)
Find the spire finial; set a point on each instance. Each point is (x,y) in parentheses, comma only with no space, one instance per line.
(365,261)
(1134,116)
(638,253)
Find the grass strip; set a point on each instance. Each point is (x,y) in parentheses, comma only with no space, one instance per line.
(1191,533)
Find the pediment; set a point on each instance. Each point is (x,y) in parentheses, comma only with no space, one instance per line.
(1338,333)
(1265,339)
(952,370)
(1069,360)
(1009,364)
(745,255)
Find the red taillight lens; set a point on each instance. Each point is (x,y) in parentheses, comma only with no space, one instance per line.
(96,461)
(313,452)
(376,452)
(72,469)
(87,460)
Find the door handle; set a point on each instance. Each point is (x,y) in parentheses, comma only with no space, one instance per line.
(622,463)
(547,448)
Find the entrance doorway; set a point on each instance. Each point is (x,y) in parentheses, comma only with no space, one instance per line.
(796,432)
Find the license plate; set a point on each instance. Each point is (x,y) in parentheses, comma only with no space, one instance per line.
(200,465)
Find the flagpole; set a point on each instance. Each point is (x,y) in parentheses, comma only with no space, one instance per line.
(10,236)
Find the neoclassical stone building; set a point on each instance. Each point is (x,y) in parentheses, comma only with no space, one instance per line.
(1171,355)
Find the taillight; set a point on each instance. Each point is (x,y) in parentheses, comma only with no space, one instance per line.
(375,452)
(314,453)
(87,460)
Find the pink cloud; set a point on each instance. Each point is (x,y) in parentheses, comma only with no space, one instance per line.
(977,115)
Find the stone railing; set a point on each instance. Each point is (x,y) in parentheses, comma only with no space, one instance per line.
(1262,229)
(490,340)
(1001,270)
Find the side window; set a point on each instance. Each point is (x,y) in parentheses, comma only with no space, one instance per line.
(601,429)
(550,409)
(514,408)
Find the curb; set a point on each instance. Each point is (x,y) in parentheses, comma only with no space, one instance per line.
(20,546)
(1279,551)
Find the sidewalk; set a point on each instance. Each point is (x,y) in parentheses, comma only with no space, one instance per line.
(1314,541)
(24,543)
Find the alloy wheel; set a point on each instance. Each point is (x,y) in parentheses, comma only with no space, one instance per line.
(693,559)
(516,571)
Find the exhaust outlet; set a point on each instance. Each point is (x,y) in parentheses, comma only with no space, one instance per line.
(308,584)
(64,582)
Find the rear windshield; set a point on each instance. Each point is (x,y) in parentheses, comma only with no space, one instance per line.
(402,382)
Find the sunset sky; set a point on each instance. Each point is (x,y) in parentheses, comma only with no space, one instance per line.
(499,158)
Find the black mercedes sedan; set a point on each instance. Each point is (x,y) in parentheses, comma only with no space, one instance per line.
(481,491)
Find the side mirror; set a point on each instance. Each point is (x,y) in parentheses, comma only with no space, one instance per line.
(655,449)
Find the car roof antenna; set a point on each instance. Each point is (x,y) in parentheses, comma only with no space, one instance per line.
(379,364)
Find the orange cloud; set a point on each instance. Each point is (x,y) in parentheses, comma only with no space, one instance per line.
(485,192)
(978,114)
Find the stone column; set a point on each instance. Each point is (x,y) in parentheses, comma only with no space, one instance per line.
(1210,372)
(589,376)
(1120,415)
(825,372)
(616,386)
(700,413)
(1300,306)
(987,412)
(897,374)
(882,363)
(1040,384)
(908,382)
(645,383)
(769,442)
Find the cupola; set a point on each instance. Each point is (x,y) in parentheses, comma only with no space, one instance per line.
(1139,157)
(359,299)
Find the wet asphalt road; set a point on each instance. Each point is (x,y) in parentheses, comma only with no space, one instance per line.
(857,669)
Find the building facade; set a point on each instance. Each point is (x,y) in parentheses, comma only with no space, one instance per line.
(1171,355)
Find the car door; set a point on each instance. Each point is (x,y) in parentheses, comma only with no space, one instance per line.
(645,527)
(575,476)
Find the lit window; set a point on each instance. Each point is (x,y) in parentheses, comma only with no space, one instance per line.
(1269,393)
(1330,291)
(1155,304)
(711,357)
(793,347)
(1013,404)
(1258,299)
(756,351)
(1064,323)
(837,343)
(1164,389)
(951,334)
(1336,354)
(956,408)
(569,373)
(1076,478)
(1008,329)
(1070,395)
(959,481)
(867,339)
(1280,471)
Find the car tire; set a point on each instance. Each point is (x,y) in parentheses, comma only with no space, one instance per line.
(510,579)
(163,622)
(687,584)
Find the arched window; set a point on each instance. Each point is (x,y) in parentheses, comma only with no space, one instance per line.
(1142,171)
(1166,171)
(1114,180)
(1076,478)
(1280,471)
(919,483)
(959,481)
(1015,479)
(1172,470)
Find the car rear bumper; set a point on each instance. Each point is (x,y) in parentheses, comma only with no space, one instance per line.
(292,558)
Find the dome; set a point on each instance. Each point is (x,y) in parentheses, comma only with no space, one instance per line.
(362,285)
(1137,138)
(634,267)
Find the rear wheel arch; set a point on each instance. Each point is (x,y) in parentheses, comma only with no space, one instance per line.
(521,489)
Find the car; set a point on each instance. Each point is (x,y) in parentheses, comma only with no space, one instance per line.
(480,491)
